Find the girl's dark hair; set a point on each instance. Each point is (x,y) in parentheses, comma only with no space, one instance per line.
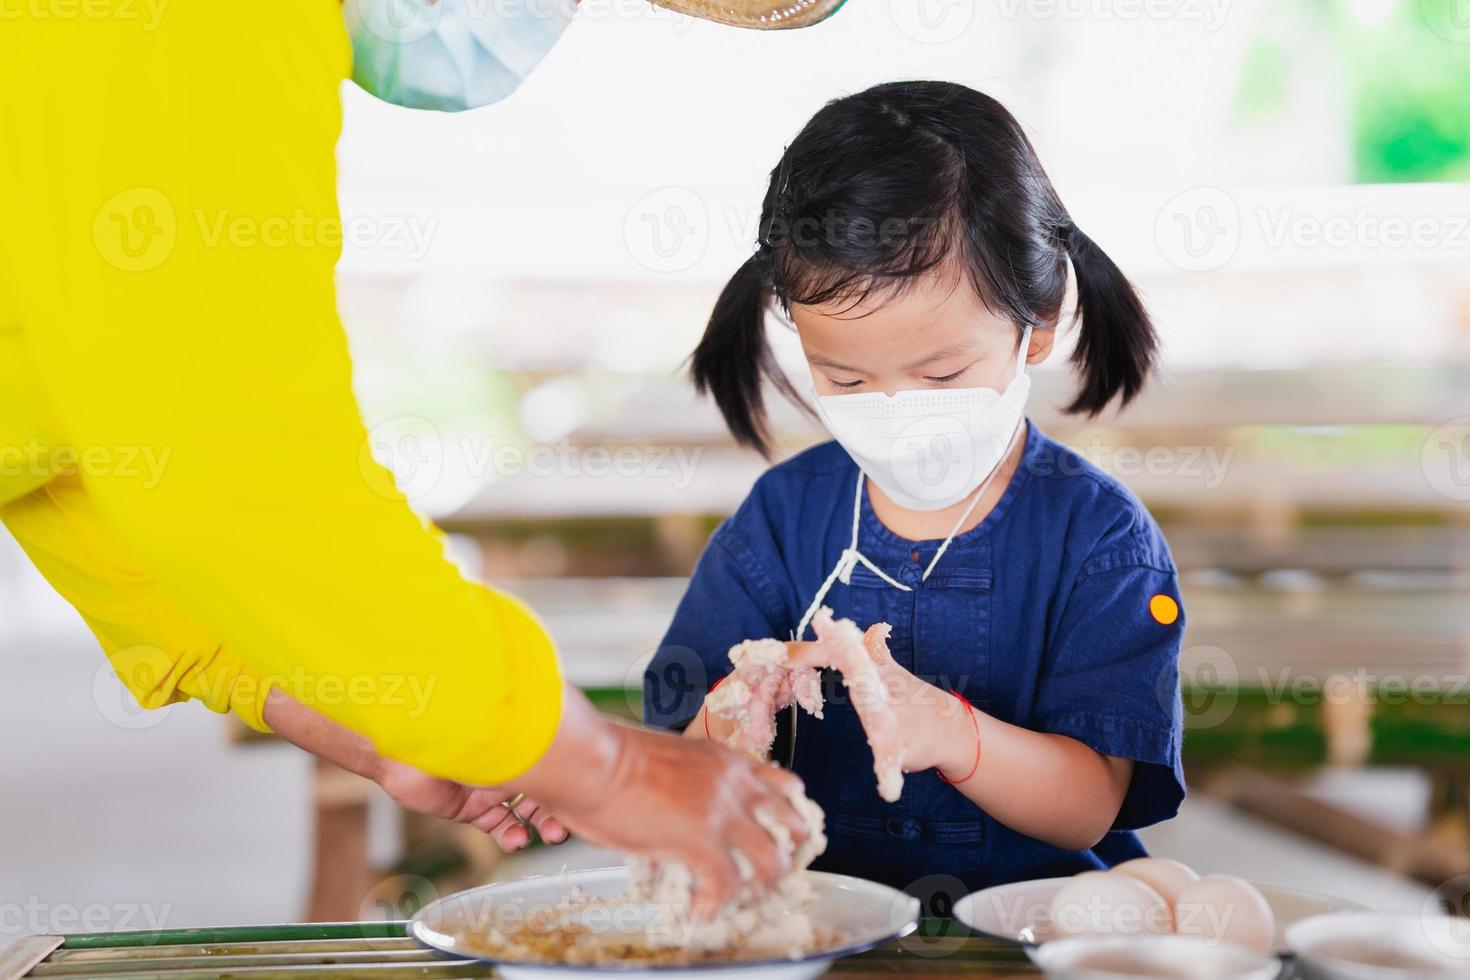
(886,186)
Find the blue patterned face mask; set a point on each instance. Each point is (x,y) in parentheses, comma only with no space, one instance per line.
(450,55)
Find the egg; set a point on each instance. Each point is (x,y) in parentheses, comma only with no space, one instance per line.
(1166,877)
(1098,903)
(1222,907)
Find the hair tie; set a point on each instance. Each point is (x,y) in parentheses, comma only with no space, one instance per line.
(1071,236)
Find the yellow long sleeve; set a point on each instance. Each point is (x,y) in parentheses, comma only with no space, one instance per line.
(190,468)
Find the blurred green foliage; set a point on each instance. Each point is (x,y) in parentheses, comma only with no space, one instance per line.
(1411,119)
(1406,65)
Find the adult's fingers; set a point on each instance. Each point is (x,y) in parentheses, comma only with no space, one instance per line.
(533,813)
(510,834)
(546,824)
(503,826)
(716,881)
(783,824)
(766,859)
(783,781)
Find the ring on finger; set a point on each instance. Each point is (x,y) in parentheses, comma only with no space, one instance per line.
(511,805)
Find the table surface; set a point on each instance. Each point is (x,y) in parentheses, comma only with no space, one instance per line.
(941,948)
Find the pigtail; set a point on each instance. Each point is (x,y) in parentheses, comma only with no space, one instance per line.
(733,355)
(1116,343)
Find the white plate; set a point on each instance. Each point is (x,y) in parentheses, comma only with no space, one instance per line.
(1136,957)
(1021,911)
(1382,947)
(867,914)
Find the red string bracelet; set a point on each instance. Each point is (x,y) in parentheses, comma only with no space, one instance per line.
(973,721)
(706,707)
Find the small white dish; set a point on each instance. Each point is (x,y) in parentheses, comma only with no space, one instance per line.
(1021,911)
(865,913)
(1152,958)
(1382,947)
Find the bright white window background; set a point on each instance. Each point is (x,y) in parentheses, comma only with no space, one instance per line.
(539,185)
(1127,111)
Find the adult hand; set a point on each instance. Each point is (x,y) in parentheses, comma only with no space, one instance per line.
(497,812)
(658,796)
(410,788)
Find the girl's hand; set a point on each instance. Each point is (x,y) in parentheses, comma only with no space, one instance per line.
(937,731)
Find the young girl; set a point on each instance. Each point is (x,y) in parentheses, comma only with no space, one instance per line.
(917,245)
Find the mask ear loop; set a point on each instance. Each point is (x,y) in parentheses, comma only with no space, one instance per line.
(1024,351)
(980,490)
(849,560)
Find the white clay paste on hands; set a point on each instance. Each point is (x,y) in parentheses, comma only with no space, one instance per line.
(762,684)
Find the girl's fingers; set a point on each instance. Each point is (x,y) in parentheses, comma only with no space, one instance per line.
(805,653)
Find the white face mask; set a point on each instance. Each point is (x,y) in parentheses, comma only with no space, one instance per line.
(929,449)
(992,429)
(450,55)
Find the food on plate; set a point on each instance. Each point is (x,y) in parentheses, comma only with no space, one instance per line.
(777,920)
(1166,877)
(1223,907)
(765,681)
(586,931)
(654,923)
(658,925)
(1103,903)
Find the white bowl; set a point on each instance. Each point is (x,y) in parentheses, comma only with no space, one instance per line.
(866,914)
(1161,957)
(1021,911)
(1382,947)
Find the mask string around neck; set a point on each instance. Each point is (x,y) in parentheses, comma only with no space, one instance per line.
(850,558)
(975,499)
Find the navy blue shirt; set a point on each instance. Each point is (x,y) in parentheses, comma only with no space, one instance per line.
(1040,616)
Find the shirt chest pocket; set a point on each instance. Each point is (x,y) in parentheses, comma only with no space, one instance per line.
(952,633)
(941,629)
